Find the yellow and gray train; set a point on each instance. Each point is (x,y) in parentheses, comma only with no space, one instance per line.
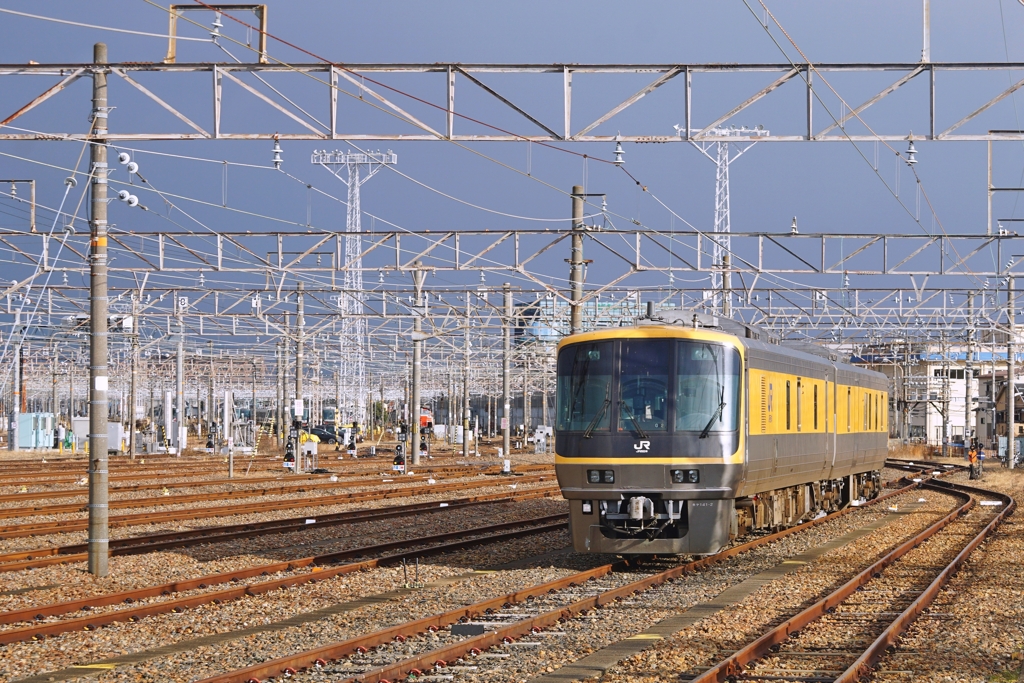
(674,438)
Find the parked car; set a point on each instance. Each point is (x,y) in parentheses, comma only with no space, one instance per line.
(325,434)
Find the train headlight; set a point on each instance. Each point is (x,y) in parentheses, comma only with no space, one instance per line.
(685,476)
(594,476)
(608,476)
(588,507)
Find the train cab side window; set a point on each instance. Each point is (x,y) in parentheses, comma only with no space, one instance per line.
(815,407)
(866,416)
(787,405)
(799,405)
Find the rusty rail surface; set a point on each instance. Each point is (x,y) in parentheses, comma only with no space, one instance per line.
(44,528)
(43,557)
(312,658)
(346,479)
(487,534)
(159,501)
(733,666)
(900,624)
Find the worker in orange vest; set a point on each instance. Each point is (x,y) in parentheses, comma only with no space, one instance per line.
(972,458)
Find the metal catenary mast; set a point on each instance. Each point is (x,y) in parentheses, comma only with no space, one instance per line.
(359,167)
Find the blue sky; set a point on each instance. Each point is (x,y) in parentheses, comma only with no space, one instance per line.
(827,185)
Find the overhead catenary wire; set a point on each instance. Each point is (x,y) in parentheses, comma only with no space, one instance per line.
(559,190)
(102,28)
(853,112)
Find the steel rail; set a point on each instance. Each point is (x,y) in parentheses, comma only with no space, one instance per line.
(44,557)
(20,530)
(160,501)
(316,657)
(455,540)
(345,480)
(733,666)
(874,652)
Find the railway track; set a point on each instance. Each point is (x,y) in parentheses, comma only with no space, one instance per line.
(842,636)
(43,557)
(318,570)
(66,526)
(344,479)
(507,618)
(162,501)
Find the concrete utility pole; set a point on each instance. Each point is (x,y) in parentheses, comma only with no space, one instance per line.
(576,261)
(300,322)
(418,276)
(465,379)
(255,430)
(12,432)
(527,397)
(53,389)
(506,375)
(179,385)
(1011,350)
(945,397)
(280,398)
(98,475)
(132,386)
(969,375)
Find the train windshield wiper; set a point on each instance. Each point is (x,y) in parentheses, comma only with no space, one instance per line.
(589,431)
(721,394)
(717,416)
(632,417)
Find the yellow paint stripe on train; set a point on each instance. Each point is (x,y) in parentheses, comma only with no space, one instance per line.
(632,460)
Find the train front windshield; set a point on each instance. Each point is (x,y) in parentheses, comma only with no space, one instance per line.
(648,386)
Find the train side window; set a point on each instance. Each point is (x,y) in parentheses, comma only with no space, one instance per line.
(815,407)
(787,405)
(849,409)
(799,405)
(866,414)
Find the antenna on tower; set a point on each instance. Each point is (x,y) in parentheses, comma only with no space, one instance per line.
(358,168)
(721,274)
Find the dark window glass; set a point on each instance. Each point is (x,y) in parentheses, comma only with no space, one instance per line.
(707,387)
(584,386)
(815,406)
(787,404)
(643,385)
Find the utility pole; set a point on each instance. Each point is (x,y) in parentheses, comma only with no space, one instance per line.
(55,399)
(969,375)
(134,378)
(99,531)
(418,276)
(1011,393)
(506,378)
(527,397)
(12,432)
(465,379)
(300,321)
(280,398)
(255,431)
(179,382)
(544,393)
(337,383)
(576,262)
(945,397)
(211,412)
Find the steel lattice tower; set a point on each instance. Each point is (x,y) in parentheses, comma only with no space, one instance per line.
(721,277)
(359,167)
